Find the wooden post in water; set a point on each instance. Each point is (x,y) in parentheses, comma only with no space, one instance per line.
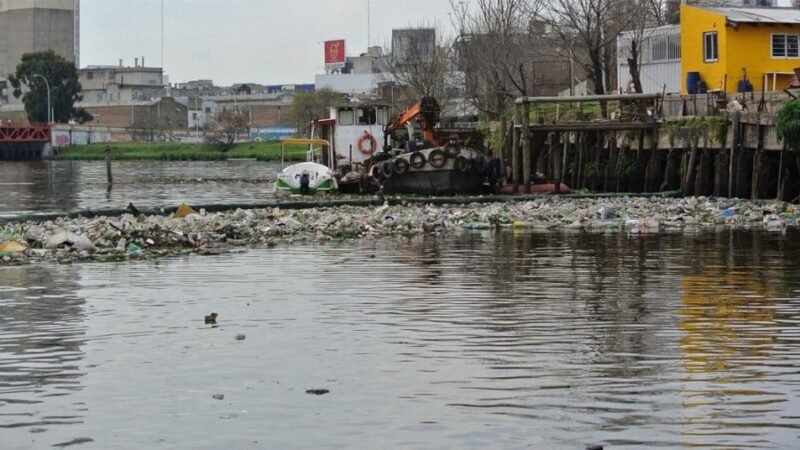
(557,159)
(737,117)
(108,166)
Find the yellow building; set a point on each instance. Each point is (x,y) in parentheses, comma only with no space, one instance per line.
(727,45)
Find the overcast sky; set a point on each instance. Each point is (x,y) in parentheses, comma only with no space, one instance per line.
(229,41)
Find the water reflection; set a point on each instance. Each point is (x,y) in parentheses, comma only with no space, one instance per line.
(42,335)
(480,340)
(57,186)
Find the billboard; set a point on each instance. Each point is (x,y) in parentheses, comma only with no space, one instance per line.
(335,56)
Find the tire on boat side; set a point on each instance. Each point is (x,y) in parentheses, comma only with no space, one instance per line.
(375,172)
(462,164)
(417,160)
(387,169)
(400,166)
(437,158)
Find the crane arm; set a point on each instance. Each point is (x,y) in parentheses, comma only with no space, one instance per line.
(428,109)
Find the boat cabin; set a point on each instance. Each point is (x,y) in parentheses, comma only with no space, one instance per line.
(355,131)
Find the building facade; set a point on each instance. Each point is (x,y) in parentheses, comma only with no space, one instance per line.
(659,59)
(119,84)
(735,49)
(37,25)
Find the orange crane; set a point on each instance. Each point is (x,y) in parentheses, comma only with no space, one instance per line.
(426,110)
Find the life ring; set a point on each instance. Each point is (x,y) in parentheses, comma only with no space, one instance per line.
(400,166)
(373,143)
(417,160)
(462,164)
(387,169)
(437,158)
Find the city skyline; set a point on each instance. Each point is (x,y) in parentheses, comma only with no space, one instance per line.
(233,44)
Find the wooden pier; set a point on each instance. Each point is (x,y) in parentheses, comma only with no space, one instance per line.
(624,143)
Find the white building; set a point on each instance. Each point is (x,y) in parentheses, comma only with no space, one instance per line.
(120,84)
(659,59)
(349,83)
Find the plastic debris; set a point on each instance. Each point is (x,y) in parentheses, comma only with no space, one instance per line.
(125,236)
(12,247)
(183,211)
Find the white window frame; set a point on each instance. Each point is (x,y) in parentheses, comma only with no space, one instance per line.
(716,47)
(786,45)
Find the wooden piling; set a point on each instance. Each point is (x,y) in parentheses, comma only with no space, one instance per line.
(737,117)
(109,175)
(515,151)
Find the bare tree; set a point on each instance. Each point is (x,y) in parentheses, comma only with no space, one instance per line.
(420,64)
(653,13)
(230,125)
(495,48)
(591,27)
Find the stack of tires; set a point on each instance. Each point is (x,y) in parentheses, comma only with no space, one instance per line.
(437,158)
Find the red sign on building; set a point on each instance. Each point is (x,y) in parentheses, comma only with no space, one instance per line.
(334,54)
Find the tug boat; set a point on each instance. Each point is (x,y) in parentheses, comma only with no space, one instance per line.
(370,151)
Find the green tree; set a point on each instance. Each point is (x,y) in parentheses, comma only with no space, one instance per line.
(309,106)
(65,90)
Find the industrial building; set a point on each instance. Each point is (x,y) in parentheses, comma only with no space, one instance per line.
(120,84)
(38,25)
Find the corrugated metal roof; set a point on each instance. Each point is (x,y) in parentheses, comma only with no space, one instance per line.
(759,15)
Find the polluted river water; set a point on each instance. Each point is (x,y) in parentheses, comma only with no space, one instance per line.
(482,340)
(502,338)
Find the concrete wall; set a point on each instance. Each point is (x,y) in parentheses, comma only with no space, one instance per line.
(165,113)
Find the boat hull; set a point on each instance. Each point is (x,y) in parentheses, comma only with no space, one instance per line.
(321,179)
(434,182)
(544,188)
(448,177)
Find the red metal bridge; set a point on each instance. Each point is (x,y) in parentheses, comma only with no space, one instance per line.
(22,142)
(18,133)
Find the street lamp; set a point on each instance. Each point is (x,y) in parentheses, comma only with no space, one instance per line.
(49,109)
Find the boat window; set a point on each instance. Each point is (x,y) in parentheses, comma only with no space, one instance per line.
(383,116)
(367,116)
(345,116)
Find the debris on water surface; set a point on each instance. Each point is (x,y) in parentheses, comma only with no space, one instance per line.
(109,239)
(317,391)
(211,318)
(76,441)
(218,396)
(240,337)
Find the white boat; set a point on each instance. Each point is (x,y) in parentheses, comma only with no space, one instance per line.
(318,177)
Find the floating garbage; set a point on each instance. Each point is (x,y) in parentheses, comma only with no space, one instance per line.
(109,239)
(317,391)
(183,211)
(12,247)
